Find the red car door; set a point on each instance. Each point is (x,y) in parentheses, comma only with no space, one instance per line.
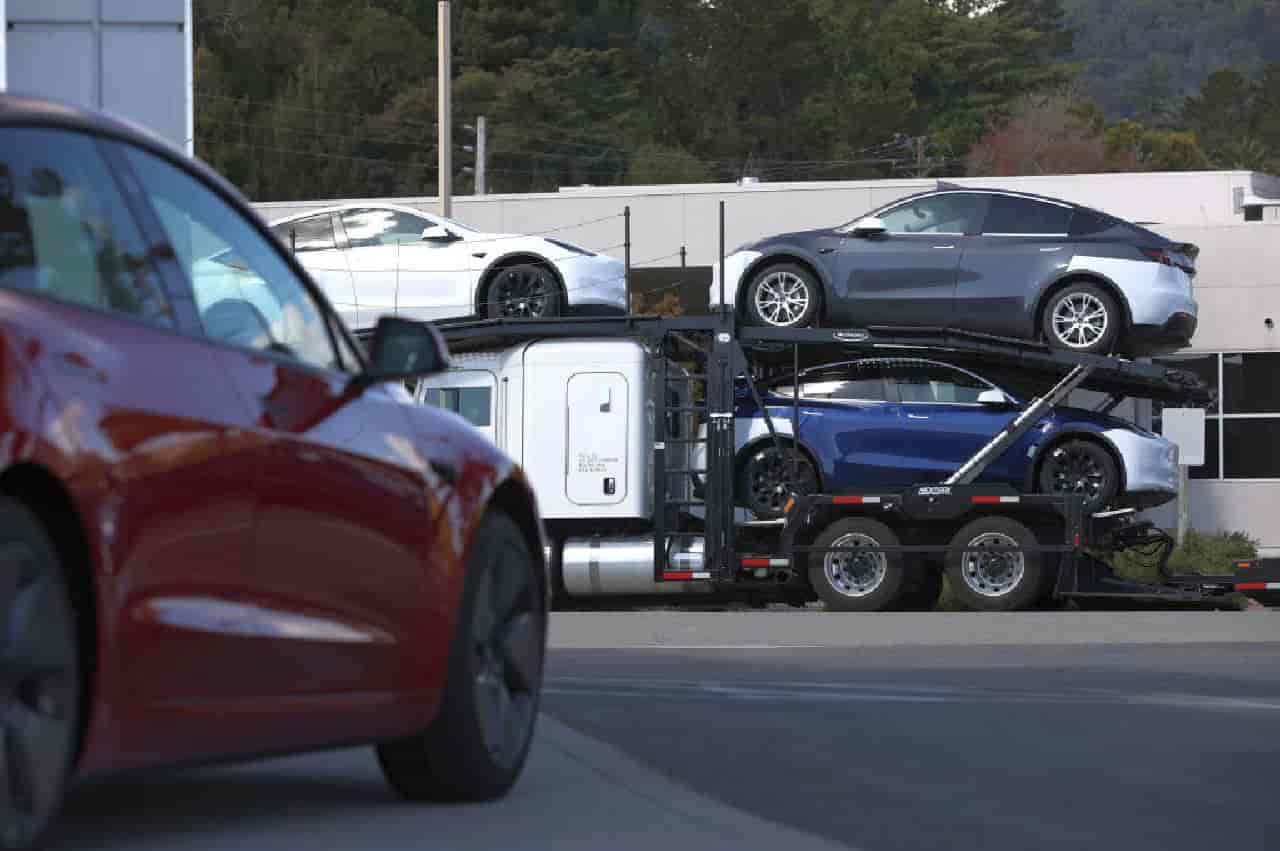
(343,570)
(150,435)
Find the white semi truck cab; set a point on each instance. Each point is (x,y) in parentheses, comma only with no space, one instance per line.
(578,415)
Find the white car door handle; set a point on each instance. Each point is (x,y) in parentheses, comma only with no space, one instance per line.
(917,417)
(944,246)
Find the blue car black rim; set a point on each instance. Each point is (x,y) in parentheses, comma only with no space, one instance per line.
(1074,470)
(769,480)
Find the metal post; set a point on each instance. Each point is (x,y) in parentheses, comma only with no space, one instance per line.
(722,304)
(444,118)
(4,49)
(795,417)
(482,127)
(683,261)
(626,254)
(1183,504)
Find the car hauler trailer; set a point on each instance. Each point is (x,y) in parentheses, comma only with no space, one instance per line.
(623,517)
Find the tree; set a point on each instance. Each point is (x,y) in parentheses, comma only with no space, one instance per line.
(654,163)
(1047,134)
(1129,146)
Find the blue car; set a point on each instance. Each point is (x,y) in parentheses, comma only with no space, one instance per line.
(894,422)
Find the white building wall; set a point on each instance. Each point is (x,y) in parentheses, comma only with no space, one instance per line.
(128,57)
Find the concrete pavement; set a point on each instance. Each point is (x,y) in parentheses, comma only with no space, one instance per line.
(576,794)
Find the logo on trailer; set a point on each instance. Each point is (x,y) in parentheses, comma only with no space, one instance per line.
(934,491)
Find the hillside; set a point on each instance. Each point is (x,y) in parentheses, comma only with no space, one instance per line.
(1145,55)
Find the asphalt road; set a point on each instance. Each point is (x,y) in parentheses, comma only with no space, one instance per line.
(755,731)
(905,749)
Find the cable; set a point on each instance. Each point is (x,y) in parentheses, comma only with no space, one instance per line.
(374,160)
(318,133)
(276,105)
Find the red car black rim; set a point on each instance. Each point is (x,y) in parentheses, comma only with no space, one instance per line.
(37,670)
(507,639)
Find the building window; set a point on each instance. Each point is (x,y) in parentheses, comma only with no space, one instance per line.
(1242,428)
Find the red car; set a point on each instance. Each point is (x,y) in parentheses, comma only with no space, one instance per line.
(223,533)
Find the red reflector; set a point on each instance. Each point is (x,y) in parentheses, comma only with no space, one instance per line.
(846,500)
(1158,255)
(1251,586)
(755,562)
(986,500)
(684,574)
(1076,540)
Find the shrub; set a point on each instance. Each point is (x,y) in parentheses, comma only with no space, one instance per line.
(1199,553)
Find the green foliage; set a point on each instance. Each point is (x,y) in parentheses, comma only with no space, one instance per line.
(322,98)
(1138,53)
(653,163)
(1129,146)
(338,98)
(1199,553)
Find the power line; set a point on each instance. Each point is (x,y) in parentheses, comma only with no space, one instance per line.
(418,146)
(372,160)
(348,115)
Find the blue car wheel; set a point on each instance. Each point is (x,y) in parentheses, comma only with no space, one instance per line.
(765,481)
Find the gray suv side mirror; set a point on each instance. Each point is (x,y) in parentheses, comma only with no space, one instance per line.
(870,226)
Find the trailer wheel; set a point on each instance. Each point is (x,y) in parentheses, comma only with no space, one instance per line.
(987,579)
(856,581)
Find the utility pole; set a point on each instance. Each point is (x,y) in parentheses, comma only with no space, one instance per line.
(482,128)
(444,118)
(478,150)
(920,169)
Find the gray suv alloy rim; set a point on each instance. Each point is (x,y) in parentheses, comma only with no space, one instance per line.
(855,574)
(782,298)
(992,573)
(1080,320)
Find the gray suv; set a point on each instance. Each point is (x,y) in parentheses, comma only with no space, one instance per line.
(1003,263)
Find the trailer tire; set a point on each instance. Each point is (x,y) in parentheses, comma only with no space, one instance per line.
(857,582)
(995,581)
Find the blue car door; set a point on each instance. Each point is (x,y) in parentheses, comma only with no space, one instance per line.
(852,421)
(943,424)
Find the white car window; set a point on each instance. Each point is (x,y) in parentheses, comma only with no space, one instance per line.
(369,227)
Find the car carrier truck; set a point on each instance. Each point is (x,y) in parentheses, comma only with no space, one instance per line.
(625,427)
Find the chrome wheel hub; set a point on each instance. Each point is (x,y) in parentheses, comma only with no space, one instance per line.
(991,572)
(852,573)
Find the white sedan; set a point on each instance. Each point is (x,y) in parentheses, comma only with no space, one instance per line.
(373,260)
